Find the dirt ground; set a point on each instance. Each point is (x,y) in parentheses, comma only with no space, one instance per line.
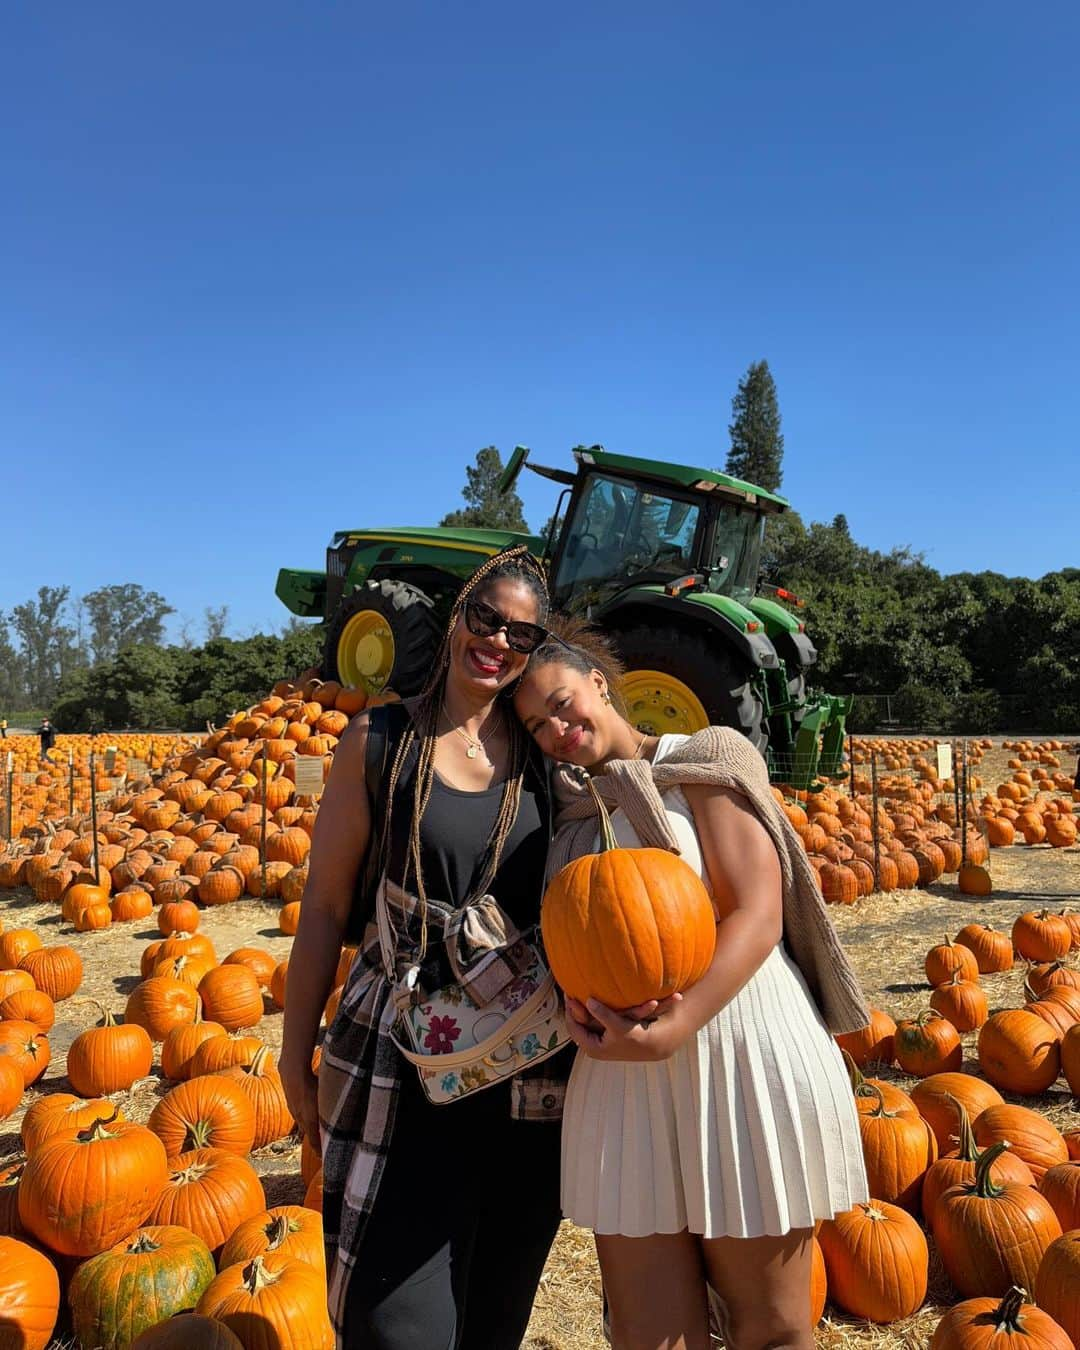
(887,936)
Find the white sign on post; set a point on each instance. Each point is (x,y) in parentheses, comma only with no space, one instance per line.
(944,760)
(309,775)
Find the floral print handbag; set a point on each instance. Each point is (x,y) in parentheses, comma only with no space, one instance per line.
(502,1014)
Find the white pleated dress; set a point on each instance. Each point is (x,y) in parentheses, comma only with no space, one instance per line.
(748,1130)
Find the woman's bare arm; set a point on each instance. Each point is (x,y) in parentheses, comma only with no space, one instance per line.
(743,868)
(339,843)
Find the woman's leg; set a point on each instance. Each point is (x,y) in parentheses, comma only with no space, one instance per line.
(764,1284)
(656,1291)
(407,1285)
(515,1228)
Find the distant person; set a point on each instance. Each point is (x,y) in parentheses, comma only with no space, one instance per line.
(1076,780)
(3,728)
(47,732)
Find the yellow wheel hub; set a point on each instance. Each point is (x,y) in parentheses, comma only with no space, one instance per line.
(657,703)
(365,652)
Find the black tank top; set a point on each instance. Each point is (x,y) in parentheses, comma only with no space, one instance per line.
(454,832)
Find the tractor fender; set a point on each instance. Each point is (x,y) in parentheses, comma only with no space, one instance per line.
(796,649)
(649,604)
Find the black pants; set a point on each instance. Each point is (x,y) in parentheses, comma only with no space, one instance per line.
(464,1218)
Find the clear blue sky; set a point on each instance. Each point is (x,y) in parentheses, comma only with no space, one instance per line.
(268,270)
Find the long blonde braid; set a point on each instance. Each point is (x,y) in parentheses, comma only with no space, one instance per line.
(516,564)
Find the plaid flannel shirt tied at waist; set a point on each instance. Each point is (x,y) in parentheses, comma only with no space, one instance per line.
(360,1070)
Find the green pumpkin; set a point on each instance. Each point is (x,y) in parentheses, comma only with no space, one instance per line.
(158,1271)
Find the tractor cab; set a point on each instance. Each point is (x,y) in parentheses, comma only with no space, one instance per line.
(635,522)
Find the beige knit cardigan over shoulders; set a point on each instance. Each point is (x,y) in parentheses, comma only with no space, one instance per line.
(722,757)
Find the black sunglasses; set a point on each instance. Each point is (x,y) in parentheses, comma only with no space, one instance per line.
(483,621)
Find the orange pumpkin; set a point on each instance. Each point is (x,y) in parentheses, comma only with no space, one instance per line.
(927,1044)
(877,1261)
(1030,1135)
(936,1098)
(626,925)
(29,1295)
(1058,1283)
(1018,1052)
(1007,1323)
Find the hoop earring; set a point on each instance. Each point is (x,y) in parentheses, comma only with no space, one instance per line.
(607,696)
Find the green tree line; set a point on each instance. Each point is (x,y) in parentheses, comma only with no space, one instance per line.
(967,651)
(975,652)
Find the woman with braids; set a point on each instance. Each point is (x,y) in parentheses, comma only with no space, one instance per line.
(438,1219)
(704,1141)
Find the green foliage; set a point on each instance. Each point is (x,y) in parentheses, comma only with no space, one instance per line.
(757,444)
(485,509)
(967,652)
(123,616)
(151,686)
(47,642)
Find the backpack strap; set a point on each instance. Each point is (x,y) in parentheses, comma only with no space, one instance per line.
(386,723)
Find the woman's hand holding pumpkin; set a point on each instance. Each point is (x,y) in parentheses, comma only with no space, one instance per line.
(647,1033)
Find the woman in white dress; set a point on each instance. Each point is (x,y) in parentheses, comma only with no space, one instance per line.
(704,1137)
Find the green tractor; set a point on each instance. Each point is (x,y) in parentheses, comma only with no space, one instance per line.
(664,557)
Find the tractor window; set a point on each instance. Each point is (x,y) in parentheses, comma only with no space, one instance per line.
(736,556)
(621,531)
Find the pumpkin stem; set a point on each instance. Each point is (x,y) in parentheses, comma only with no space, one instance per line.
(258,1066)
(1029,994)
(256,1277)
(98,1129)
(143,1242)
(983,1186)
(855,1075)
(607,834)
(967,1149)
(1007,1313)
(198,1134)
(277,1230)
(878,1112)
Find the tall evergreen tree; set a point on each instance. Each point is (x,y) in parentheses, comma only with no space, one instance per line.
(485,509)
(757,445)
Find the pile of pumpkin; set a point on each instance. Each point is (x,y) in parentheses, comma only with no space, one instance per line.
(909,753)
(1025,808)
(131,1216)
(142,1222)
(915,846)
(48,796)
(997,1185)
(217,821)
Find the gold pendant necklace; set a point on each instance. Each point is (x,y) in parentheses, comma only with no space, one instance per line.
(473,745)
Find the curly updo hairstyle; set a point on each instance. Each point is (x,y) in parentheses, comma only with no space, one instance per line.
(582,647)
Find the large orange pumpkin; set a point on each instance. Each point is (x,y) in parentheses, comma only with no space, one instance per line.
(626,925)
(287,1297)
(1031,1136)
(936,1098)
(1058,1283)
(1008,1323)
(992,1236)
(1018,1052)
(29,1296)
(79,1196)
(877,1261)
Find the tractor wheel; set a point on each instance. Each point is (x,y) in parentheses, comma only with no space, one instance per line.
(385,635)
(701,684)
